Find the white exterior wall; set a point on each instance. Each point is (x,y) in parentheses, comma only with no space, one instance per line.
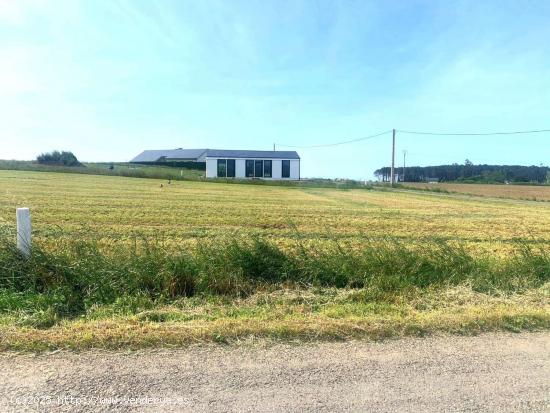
(276,169)
(240,168)
(294,169)
(211,167)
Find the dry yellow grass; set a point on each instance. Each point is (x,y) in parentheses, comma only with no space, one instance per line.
(525,192)
(66,206)
(458,311)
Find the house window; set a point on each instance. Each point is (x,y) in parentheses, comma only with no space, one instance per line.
(222,168)
(259,169)
(231,168)
(267,169)
(249,168)
(286,169)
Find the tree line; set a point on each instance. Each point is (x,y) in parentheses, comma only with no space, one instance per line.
(468,172)
(63,158)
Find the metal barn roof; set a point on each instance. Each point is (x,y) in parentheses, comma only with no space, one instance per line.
(223,153)
(155,155)
(201,154)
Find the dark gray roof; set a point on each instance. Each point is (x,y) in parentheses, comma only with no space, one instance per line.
(224,153)
(200,154)
(155,155)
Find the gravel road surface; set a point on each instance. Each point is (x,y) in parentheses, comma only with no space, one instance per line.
(493,372)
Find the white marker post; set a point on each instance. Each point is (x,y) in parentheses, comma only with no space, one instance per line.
(24,231)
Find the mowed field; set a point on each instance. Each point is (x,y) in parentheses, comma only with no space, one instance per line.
(526,192)
(127,263)
(117,209)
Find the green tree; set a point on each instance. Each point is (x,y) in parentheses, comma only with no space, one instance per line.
(63,158)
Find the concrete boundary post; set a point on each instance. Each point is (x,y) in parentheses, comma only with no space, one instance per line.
(24,231)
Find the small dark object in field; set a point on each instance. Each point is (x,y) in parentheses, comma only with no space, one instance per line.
(161,185)
(169,181)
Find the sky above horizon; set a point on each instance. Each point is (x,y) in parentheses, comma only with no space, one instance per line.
(108,79)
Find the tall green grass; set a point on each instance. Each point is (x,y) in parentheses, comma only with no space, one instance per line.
(69,282)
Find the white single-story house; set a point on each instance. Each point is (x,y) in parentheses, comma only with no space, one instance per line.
(222,163)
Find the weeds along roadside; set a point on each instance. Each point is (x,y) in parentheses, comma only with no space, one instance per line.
(68,283)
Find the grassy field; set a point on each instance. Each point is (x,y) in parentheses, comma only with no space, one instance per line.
(66,206)
(125,262)
(110,168)
(525,192)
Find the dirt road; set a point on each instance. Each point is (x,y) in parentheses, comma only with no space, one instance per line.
(495,372)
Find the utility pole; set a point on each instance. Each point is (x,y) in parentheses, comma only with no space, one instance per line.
(404,157)
(392,177)
(273,146)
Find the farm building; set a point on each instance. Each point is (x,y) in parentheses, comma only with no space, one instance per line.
(222,163)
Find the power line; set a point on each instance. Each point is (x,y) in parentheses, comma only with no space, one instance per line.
(473,134)
(417,133)
(337,143)
(393,131)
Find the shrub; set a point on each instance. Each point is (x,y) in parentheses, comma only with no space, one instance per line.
(58,158)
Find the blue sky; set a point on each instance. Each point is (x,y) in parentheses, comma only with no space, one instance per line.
(107,79)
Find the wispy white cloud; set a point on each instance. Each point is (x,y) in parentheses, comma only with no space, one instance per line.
(110,78)
(15,11)
(17,73)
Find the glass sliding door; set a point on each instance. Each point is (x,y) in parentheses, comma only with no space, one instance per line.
(249,168)
(222,168)
(231,168)
(259,169)
(285,169)
(267,169)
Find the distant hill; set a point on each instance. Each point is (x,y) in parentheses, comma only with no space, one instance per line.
(468,172)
